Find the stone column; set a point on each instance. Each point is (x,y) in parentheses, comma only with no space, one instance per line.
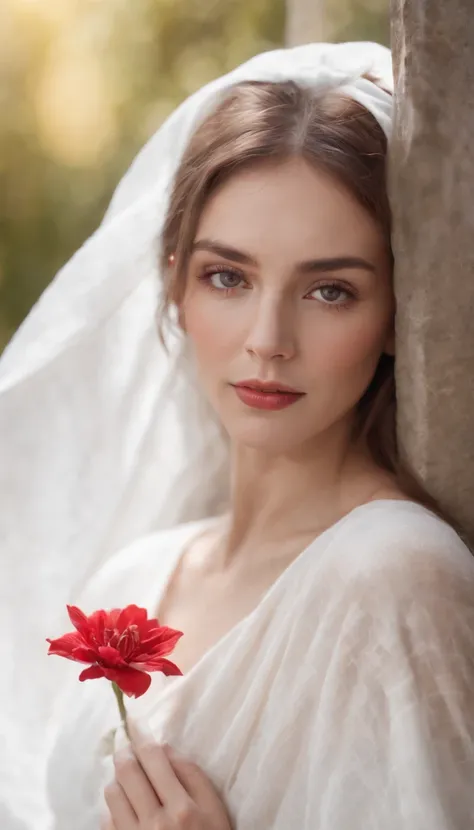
(432,187)
(305,22)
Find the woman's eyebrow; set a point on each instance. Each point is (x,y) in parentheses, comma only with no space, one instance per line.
(224,251)
(311,266)
(338,263)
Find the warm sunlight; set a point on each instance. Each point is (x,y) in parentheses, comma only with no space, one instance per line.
(73,106)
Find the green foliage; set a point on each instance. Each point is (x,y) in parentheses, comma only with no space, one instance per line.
(362,20)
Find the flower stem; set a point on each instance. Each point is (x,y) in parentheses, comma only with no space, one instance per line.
(121,705)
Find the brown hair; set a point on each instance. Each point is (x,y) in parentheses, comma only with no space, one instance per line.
(261,122)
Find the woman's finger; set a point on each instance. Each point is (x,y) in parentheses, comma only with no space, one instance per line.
(135,785)
(196,783)
(122,815)
(106,823)
(158,768)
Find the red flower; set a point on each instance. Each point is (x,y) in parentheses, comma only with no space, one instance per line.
(121,645)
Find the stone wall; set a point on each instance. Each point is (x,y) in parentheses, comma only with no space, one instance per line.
(432,187)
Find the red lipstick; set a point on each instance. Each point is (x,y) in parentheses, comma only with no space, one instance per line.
(260,394)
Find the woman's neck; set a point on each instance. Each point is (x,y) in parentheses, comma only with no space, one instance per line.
(275,498)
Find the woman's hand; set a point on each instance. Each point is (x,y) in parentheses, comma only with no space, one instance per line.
(156,789)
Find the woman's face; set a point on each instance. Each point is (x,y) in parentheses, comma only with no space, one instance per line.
(289,282)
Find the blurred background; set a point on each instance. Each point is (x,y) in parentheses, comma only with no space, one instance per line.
(84,83)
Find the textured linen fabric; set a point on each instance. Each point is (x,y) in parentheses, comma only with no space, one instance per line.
(343,701)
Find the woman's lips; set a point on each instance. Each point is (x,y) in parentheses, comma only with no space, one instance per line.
(262,399)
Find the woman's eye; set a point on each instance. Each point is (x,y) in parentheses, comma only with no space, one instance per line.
(225,279)
(331,294)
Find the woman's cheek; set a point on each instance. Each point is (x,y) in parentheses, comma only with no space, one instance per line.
(214,323)
(197,313)
(348,343)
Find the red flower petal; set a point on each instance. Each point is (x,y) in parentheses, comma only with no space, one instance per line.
(111,617)
(133,683)
(92,673)
(78,619)
(97,623)
(131,615)
(111,657)
(151,626)
(66,645)
(91,628)
(85,655)
(162,642)
(158,664)
(149,632)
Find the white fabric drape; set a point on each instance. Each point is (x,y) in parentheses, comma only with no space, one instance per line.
(344,700)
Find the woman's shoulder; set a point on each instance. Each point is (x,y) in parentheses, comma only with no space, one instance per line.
(138,569)
(398,536)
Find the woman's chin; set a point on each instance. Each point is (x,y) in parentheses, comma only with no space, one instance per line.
(271,438)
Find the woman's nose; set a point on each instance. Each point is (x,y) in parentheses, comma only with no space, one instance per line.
(272,331)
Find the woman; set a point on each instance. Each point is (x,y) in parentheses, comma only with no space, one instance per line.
(327,610)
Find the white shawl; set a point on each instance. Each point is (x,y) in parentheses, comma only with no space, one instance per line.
(344,701)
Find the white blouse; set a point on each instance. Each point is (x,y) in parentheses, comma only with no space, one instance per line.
(343,701)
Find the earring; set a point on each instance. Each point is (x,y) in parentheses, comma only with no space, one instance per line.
(171,259)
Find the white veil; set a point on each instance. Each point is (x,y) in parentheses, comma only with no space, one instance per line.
(104,436)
